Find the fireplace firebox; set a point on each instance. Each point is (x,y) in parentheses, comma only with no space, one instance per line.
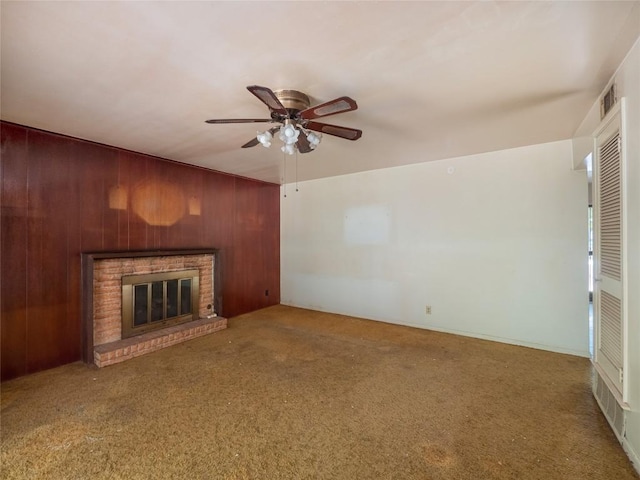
(158,300)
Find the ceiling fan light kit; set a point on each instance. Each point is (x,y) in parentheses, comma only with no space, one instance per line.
(292,110)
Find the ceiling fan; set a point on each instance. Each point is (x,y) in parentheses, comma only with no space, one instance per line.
(291,109)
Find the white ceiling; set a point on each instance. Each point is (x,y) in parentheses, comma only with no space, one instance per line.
(432,80)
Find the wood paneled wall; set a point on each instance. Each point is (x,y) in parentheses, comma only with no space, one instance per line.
(55,205)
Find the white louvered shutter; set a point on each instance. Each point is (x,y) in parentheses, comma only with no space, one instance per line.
(608,254)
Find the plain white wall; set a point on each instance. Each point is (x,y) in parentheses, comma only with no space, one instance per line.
(496,243)
(627,79)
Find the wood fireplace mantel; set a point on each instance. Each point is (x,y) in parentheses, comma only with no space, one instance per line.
(88,261)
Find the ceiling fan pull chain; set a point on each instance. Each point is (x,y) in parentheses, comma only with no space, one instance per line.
(296,170)
(284,169)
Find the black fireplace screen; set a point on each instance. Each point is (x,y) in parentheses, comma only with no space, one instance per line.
(158,300)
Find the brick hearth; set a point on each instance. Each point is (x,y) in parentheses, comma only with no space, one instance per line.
(121,350)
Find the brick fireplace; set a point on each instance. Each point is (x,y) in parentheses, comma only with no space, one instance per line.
(104,343)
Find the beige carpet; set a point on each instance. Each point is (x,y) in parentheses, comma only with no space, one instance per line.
(292,394)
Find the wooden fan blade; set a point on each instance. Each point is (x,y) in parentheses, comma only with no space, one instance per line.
(335,130)
(303,143)
(251,143)
(339,105)
(239,120)
(266,96)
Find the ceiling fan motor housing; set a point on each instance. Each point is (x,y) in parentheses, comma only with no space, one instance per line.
(293,100)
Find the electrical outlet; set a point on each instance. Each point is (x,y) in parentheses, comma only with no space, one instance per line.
(427,309)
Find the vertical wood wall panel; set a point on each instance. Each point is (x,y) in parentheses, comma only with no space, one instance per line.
(218,211)
(123,215)
(73,343)
(93,164)
(254,211)
(55,205)
(110,216)
(46,248)
(13,223)
(133,168)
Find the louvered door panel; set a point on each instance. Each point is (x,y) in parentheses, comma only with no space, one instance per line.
(610,208)
(611,328)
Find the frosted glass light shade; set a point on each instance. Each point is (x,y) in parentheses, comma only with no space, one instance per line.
(265,138)
(288,148)
(289,134)
(314,139)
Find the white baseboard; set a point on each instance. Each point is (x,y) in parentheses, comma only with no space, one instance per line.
(633,456)
(492,338)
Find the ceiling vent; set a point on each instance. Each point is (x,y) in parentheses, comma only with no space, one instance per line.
(608,100)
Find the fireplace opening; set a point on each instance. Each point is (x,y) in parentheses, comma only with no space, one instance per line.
(158,300)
